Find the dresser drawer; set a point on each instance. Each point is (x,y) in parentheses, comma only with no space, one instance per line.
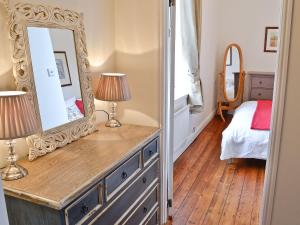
(84,207)
(260,94)
(126,172)
(154,219)
(145,209)
(150,151)
(118,209)
(262,82)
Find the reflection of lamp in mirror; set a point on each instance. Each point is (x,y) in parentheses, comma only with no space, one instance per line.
(113,87)
(17,120)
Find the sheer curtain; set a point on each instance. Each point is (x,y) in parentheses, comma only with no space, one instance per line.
(189,22)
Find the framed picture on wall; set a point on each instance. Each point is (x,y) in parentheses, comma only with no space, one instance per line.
(63,68)
(271,39)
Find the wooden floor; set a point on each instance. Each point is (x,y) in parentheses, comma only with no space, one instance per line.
(210,191)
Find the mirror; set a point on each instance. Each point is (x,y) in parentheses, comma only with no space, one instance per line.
(232,72)
(56,79)
(231,82)
(50,63)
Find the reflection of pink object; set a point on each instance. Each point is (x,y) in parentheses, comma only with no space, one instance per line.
(262,116)
(80,106)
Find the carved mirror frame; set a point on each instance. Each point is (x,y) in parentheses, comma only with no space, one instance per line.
(22,16)
(225,103)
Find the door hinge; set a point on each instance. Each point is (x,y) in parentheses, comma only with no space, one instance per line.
(172,3)
(170,203)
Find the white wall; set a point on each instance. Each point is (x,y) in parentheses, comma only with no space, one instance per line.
(63,40)
(286,208)
(137,38)
(50,97)
(225,22)
(208,61)
(134,50)
(244,22)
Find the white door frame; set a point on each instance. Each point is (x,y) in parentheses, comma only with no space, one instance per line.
(277,112)
(167,106)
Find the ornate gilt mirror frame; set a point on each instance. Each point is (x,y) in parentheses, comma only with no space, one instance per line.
(225,103)
(22,16)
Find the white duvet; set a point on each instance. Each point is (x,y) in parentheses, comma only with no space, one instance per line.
(239,140)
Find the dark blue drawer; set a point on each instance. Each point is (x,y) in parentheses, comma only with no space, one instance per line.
(145,209)
(154,219)
(126,172)
(150,151)
(85,206)
(118,209)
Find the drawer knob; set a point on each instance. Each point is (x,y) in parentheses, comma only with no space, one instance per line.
(259,94)
(144,180)
(145,210)
(260,82)
(124,175)
(84,209)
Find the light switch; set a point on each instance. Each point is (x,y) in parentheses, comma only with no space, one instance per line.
(51,72)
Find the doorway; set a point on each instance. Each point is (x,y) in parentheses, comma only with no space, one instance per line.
(276,89)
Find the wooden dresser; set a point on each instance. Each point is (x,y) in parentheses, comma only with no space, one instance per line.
(261,85)
(109,177)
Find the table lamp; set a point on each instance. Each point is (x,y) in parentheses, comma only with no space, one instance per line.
(17,120)
(113,87)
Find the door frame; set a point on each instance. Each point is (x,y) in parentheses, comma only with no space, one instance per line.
(167,106)
(277,111)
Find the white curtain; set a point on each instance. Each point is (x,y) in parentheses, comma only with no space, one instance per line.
(190,36)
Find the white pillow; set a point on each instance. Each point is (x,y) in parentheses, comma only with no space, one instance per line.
(70,102)
(72,109)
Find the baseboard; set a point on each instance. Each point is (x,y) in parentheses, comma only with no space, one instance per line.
(191,138)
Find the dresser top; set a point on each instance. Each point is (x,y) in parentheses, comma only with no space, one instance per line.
(58,178)
(261,73)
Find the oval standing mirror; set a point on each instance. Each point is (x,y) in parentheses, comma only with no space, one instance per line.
(231,80)
(232,71)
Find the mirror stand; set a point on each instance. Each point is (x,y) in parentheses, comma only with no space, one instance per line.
(224,105)
(231,81)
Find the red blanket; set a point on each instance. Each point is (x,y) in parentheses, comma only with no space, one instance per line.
(262,116)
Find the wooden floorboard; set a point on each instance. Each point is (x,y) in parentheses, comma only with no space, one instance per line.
(210,191)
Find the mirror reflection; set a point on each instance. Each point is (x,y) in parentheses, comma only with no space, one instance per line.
(232,72)
(56,76)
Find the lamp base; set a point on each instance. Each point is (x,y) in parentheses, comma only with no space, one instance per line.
(13,172)
(113,123)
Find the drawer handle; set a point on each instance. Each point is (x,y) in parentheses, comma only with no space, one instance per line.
(150,152)
(145,210)
(144,180)
(84,209)
(124,175)
(260,82)
(259,94)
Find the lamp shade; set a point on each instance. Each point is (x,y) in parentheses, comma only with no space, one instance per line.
(17,118)
(113,87)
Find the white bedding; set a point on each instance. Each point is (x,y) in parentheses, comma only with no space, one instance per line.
(239,140)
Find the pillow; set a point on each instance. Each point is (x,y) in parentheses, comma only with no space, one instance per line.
(74,113)
(72,109)
(80,105)
(70,102)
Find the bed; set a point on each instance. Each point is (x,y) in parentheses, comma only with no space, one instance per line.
(239,140)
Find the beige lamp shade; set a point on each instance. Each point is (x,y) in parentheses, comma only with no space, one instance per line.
(113,87)
(17,118)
